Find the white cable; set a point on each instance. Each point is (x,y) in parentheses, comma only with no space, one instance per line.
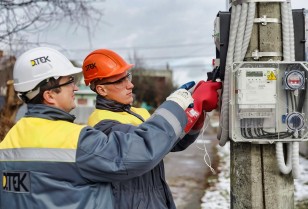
(295,145)
(206,154)
(285,32)
(249,25)
(284,168)
(236,24)
(295,160)
(291,33)
(223,130)
(288,55)
(240,33)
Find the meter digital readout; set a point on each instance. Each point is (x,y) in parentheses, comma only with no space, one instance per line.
(256,88)
(254,74)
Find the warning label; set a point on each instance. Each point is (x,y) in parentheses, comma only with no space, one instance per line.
(271,76)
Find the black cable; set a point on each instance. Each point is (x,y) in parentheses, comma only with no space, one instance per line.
(258,131)
(301,100)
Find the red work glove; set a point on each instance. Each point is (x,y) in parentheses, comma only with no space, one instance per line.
(206,94)
(205,99)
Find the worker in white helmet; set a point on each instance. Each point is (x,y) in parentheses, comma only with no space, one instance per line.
(47,161)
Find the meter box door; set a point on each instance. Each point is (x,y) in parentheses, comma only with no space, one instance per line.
(268,102)
(221,37)
(300,24)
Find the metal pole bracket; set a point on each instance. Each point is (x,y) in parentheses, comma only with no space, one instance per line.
(264,20)
(237,2)
(256,54)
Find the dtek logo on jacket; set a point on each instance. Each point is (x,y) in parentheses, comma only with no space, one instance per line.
(90,66)
(39,60)
(13,181)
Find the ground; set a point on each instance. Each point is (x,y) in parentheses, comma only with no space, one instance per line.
(187,172)
(195,187)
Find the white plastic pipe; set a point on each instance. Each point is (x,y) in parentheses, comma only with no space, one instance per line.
(239,38)
(295,160)
(291,33)
(288,55)
(285,32)
(223,131)
(240,33)
(284,168)
(295,145)
(249,26)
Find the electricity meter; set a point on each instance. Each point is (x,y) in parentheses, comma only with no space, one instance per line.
(267,102)
(294,80)
(295,121)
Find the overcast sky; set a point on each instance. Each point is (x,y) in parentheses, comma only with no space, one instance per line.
(178,32)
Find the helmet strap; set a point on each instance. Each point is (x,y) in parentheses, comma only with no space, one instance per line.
(31,94)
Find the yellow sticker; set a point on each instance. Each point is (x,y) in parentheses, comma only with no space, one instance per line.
(271,76)
(4,181)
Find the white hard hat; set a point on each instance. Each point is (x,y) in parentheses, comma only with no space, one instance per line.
(39,64)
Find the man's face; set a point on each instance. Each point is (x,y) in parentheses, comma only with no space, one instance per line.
(65,99)
(118,88)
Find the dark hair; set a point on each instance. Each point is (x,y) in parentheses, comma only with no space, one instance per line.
(94,83)
(44,86)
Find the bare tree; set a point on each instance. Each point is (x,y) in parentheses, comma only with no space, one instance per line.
(151,89)
(9,110)
(19,18)
(137,60)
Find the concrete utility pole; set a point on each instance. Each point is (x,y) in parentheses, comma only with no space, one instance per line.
(256,182)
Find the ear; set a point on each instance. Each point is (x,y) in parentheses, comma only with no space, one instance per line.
(49,97)
(101,90)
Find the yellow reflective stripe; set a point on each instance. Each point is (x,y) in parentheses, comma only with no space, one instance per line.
(42,133)
(28,154)
(122,117)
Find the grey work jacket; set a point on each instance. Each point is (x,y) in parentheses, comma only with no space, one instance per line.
(150,190)
(48,162)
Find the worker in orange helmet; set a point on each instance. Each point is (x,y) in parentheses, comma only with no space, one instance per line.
(48,162)
(108,74)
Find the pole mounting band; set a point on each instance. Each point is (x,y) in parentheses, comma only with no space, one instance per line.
(264,20)
(237,2)
(256,54)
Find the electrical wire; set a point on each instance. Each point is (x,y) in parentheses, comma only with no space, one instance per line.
(206,155)
(252,128)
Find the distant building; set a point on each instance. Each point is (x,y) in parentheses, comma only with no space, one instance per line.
(85,97)
(152,86)
(163,77)
(85,100)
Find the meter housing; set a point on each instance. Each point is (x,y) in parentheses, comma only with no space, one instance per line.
(268,102)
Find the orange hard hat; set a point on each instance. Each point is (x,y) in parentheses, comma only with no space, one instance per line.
(103,63)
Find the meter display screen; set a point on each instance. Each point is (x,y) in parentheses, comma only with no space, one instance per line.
(255,90)
(254,74)
(295,80)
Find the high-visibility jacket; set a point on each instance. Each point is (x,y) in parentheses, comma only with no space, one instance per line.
(48,162)
(123,117)
(150,190)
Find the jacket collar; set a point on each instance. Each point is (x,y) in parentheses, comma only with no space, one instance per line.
(48,112)
(105,104)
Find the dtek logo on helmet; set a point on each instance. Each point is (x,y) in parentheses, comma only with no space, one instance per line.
(90,66)
(14,181)
(39,60)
